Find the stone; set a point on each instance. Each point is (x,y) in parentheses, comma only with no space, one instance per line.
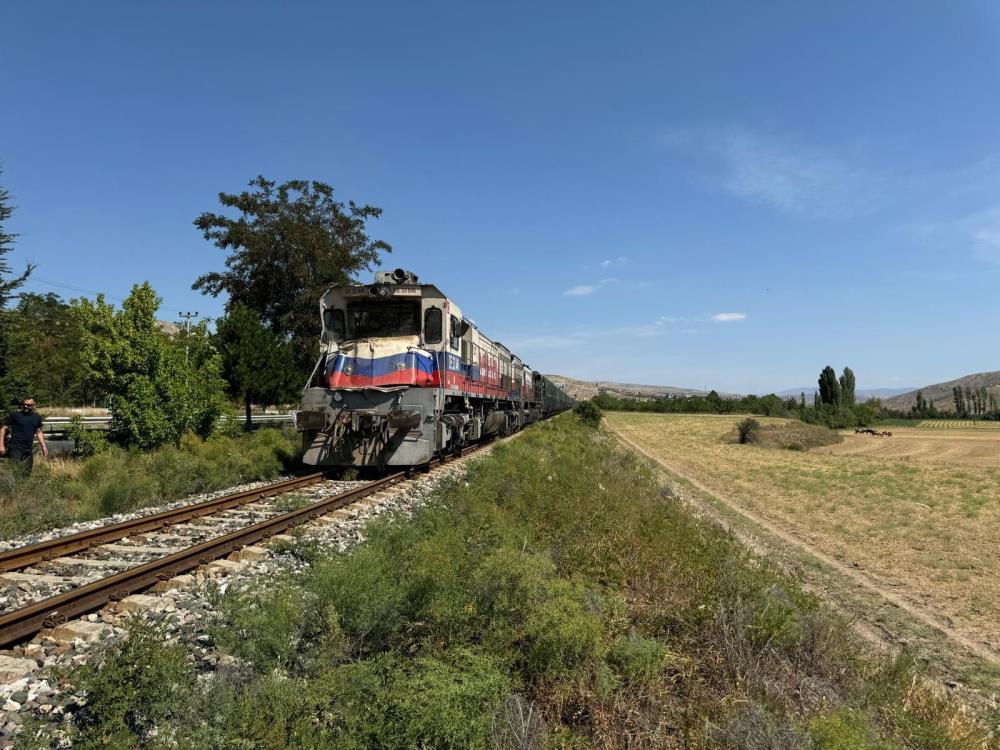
(281,539)
(85,631)
(13,668)
(223,567)
(137,603)
(250,553)
(177,582)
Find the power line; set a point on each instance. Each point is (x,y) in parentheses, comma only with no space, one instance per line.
(107,296)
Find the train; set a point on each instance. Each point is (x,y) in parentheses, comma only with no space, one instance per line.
(403,377)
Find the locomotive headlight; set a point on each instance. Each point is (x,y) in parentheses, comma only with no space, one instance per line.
(337,396)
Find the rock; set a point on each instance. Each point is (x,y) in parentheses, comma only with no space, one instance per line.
(13,668)
(137,603)
(20,697)
(88,632)
(223,567)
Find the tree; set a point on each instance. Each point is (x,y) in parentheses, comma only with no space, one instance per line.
(959,397)
(256,362)
(8,287)
(159,387)
(43,356)
(8,284)
(289,243)
(847,387)
(829,387)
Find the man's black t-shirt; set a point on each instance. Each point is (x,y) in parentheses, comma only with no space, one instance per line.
(23,428)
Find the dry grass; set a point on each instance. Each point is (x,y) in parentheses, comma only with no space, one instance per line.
(920,512)
(918,445)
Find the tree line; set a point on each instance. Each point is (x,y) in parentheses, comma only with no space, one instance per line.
(284,243)
(834,403)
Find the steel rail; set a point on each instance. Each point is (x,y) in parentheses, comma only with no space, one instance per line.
(21,557)
(21,624)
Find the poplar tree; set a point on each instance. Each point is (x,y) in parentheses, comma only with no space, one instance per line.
(829,387)
(847,387)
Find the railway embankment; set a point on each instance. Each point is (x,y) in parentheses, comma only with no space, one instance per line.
(551,593)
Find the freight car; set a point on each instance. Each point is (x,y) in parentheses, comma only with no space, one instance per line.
(404,376)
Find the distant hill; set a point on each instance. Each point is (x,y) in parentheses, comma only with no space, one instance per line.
(941,393)
(584,389)
(862,394)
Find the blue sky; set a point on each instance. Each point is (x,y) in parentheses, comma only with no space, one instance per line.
(713,193)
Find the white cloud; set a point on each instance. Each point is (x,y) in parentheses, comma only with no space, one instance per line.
(728,317)
(978,232)
(618,262)
(984,231)
(584,290)
(789,178)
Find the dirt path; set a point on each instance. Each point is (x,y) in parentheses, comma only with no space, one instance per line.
(966,641)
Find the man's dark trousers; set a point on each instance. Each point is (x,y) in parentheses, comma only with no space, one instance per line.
(21,459)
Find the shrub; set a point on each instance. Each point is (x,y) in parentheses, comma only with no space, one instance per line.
(747,429)
(588,412)
(132,688)
(638,659)
(86,442)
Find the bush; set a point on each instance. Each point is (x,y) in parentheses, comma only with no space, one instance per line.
(747,429)
(132,689)
(86,442)
(588,412)
(638,659)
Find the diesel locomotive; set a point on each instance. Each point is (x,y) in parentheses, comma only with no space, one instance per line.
(404,376)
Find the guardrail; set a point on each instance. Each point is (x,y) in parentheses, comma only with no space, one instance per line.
(61,424)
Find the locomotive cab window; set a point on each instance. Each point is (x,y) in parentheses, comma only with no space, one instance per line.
(433,323)
(379,318)
(335,323)
(454,332)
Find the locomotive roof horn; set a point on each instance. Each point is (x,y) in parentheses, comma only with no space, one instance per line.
(399,276)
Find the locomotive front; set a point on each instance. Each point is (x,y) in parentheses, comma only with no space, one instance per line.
(372,397)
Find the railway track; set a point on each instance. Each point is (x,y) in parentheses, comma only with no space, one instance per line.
(125,548)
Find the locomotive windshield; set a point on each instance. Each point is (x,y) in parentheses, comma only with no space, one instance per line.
(376,318)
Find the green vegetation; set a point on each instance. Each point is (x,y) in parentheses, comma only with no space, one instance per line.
(289,243)
(256,362)
(588,412)
(114,480)
(747,430)
(555,597)
(795,436)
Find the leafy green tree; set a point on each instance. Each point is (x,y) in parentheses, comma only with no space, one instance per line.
(847,387)
(288,244)
(256,362)
(43,356)
(829,387)
(159,387)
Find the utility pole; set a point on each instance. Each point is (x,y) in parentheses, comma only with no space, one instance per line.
(187,344)
(187,330)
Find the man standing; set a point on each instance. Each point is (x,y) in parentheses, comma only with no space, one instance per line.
(23,427)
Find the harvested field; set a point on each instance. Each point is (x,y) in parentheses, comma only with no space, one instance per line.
(917,515)
(952,447)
